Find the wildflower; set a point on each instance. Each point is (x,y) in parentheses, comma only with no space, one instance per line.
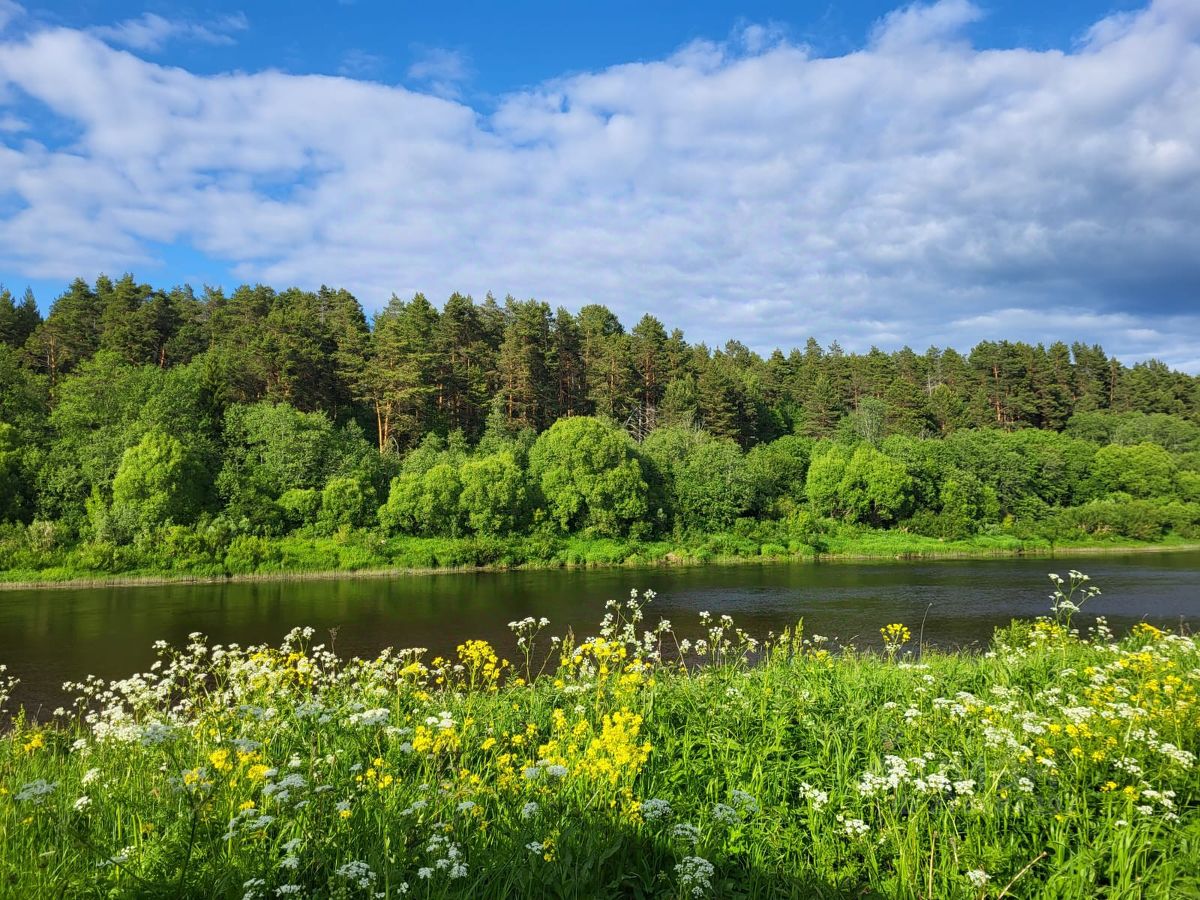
(81,803)
(655,810)
(817,797)
(357,872)
(744,803)
(369,718)
(529,810)
(220,760)
(686,831)
(853,827)
(895,636)
(35,790)
(89,776)
(726,815)
(695,875)
(978,877)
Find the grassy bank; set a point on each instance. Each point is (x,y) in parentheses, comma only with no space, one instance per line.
(1056,765)
(363,553)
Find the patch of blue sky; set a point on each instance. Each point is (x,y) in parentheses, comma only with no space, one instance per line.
(509,46)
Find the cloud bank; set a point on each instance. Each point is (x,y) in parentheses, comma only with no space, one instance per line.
(915,191)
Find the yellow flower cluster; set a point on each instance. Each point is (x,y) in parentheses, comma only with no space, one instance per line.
(895,636)
(436,740)
(616,752)
(483,667)
(375,777)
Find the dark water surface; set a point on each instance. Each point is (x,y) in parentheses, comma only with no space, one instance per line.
(48,636)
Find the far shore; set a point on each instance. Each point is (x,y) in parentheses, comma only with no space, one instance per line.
(669,561)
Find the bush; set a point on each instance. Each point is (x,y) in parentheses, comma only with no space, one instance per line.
(494,495)
(346,500)
(1141,520)
(424,503)
(249,553)
(299,507)
(159,481)
(590,477)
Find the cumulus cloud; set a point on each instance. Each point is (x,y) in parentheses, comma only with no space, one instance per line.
(915,191)
(150,32)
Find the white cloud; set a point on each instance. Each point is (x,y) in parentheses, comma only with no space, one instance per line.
(442,71)
(358,63)
(920,24)
(916,190)
(150,32)
(10,11)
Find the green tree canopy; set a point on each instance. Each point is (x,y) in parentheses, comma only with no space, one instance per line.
(1143,470)
(424,502)
(590,477)
(495,494)
(713,486)
(159,482)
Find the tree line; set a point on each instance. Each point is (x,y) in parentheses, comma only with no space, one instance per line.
(129,409)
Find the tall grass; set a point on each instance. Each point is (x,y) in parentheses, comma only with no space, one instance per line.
(39,553)
(1055,765)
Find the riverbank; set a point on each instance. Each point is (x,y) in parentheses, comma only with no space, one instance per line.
(900,773)
(341,557)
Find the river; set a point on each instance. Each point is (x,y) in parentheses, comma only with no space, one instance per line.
(51,635)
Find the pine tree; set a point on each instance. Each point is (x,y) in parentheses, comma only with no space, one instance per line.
(650,361)
(401,375)
(69,335)
(526,382)
(567,364)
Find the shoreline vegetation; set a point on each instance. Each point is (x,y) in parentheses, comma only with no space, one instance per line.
(150,435)
(1059,764)
(640,556)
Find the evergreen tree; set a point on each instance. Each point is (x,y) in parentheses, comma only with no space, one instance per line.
(402,373)
(69,335)
(527,386)
(18,321)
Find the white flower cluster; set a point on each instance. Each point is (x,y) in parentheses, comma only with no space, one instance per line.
(655,810)
(686,831)
(695,875)
(357,872)
(369,718)
(853,827)
(449,857)
(817,797)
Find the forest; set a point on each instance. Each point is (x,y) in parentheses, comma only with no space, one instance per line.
(147,431)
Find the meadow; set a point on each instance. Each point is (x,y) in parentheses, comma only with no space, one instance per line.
(1058,763)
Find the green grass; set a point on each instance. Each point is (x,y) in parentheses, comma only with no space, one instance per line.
(1054,765)
(184,555)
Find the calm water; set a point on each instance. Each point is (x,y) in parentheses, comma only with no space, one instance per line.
(52,635)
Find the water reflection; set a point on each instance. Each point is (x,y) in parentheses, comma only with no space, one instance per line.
(49,636)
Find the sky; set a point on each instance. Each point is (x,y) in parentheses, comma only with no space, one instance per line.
(933,174)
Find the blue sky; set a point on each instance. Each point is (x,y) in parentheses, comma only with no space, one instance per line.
(867,172)
(512,45)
